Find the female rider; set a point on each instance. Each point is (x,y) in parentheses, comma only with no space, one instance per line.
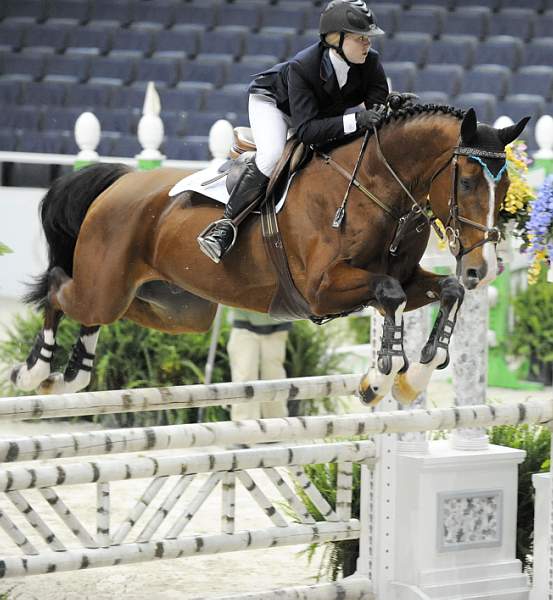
(320,93)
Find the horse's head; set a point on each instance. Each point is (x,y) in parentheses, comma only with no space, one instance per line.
(475,190)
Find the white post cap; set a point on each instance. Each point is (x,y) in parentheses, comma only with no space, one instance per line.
(87,136)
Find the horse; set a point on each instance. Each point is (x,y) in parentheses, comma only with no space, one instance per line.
(121,248)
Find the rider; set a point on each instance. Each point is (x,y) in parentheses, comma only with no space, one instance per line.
(319,93)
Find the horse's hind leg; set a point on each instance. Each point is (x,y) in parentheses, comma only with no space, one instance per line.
(79,366)
(27,376)
(435,354)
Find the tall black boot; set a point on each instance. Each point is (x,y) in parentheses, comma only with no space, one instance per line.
(220,236)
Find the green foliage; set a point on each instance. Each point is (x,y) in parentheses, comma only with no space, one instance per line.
(4,249)
(533,332)
(536,442)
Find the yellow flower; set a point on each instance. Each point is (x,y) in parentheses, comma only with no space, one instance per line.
(534,269)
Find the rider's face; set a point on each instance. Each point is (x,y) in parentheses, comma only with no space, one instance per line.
(356,47)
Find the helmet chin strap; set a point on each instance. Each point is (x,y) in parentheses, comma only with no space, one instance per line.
(340,48)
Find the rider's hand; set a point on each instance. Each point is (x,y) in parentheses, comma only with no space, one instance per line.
(367,118)
(396,100)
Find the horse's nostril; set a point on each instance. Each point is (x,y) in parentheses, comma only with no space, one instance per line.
(472,274)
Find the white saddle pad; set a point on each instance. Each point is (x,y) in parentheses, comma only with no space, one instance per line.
(217,190)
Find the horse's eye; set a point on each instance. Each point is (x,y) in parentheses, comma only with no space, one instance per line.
(466,184)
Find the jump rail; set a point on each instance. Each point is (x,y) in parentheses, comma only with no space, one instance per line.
(159,533)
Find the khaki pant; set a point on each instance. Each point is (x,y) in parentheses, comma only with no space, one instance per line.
(255,356)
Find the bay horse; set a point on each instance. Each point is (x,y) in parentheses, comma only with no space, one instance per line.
(120,247)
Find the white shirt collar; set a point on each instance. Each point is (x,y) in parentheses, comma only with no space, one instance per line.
(341,67)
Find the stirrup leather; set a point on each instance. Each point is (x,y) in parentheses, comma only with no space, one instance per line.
(210,247)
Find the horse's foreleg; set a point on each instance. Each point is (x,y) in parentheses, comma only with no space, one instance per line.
(79,366)
(391,359)
(27,376)
(435,354)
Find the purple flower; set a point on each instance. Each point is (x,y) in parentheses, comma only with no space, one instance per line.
(540,224)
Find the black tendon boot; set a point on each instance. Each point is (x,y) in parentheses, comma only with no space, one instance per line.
(219,237)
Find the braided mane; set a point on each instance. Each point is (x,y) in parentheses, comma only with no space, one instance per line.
(415,110)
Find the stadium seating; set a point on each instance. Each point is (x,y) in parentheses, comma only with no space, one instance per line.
(61,57)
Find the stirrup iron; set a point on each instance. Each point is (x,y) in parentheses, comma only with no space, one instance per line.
(212,249)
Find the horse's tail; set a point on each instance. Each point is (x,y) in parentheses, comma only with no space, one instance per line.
(62,211)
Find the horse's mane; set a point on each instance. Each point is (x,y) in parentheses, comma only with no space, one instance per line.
(415,110)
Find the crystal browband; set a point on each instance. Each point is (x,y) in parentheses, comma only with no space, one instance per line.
(466,151)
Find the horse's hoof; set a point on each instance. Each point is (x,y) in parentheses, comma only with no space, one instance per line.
(54,384)
(26,380)
(368,394)
(403,391)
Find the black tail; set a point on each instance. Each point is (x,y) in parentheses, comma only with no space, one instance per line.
(62,212)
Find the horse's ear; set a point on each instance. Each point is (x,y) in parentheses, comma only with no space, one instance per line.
(509,134)
(468,126)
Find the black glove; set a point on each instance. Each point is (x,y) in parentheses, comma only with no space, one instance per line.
(367,118)
(396,100)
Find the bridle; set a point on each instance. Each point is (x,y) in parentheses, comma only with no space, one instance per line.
(454,219)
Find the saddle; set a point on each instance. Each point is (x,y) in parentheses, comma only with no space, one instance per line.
(287,303)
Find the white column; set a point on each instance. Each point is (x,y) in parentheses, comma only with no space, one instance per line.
(469,355)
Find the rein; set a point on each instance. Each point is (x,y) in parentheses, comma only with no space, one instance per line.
(452,226)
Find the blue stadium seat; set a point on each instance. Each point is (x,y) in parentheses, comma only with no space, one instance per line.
(244,71)
(110,70)
(19,118)
(387,16)
(111,14)
(439,78)
(425,19)
(487,79)
(453,50)
(10,93)
(23,11)
(67,12)
(500,50)
(410,47)
(286,18)
(202,71)
(301,41)
(538,52)
(178,100)
(66,69)
(199,123)
(131,43)
(225,44)
(534,5)
(48,143)
(270,46)
(128,97)
(483,104)
(175,44)
(232,17)
(118,120)
(174,123)
(533,80)
(492,5)
(103,148)
(87,41)
(518,106)
(433,98)
(401,75)
(312,17)
(44,93)
(189,148)
(200,16)
(43,39)
(226,100)
(543,25)
(18,67)
(11,37)
(518,22)
(60,119)
(8,141)
(152,15)
(164,72)
(88,96)
(473,20)
(126,146)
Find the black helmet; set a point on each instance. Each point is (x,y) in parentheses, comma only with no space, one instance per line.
(352,16)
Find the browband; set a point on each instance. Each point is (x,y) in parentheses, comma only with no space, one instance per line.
(466,151)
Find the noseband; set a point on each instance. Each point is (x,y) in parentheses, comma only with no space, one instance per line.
(454,220)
